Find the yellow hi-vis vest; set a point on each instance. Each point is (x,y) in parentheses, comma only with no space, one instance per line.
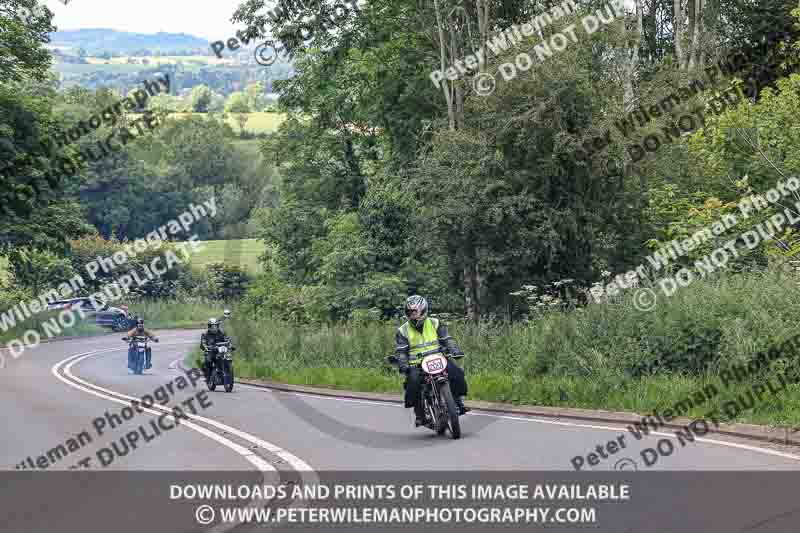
(421,344)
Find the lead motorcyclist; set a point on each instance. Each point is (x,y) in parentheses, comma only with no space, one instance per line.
(208,341)
(421,334)
(139,331)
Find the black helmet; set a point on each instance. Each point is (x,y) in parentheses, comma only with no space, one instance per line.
(416,306)
(213,325)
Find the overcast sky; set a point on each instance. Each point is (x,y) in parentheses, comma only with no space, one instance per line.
(209,19)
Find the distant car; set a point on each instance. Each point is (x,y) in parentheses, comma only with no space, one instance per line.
(116,318)
(84,303)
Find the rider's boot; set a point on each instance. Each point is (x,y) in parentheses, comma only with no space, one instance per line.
(420,414)
(462,409)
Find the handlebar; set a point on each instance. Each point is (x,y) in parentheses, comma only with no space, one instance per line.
(393,360)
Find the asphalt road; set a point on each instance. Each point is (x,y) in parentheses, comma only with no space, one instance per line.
(50,395)
(55,392)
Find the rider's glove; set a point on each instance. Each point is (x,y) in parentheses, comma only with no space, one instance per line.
(404,369)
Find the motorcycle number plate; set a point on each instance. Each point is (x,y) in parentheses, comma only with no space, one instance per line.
(434,364)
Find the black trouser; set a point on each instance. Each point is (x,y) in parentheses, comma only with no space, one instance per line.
(209,360)
(413,384)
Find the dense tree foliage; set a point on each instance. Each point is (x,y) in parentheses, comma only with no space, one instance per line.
(389,183)
(381,182)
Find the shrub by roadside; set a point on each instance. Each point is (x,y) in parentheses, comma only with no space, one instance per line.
(609,356)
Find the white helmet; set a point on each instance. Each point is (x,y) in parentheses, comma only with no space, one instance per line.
(420,305)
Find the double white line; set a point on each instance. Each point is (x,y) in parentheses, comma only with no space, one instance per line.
(63,371)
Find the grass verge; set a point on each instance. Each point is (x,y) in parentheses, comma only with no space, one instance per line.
(610,356)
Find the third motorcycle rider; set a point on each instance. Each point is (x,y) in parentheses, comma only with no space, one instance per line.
(424,335)
(208,340)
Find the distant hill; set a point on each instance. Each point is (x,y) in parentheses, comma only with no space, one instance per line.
(100,40)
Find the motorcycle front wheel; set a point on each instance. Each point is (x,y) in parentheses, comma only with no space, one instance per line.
(138,363)
(211,382)
(452,410)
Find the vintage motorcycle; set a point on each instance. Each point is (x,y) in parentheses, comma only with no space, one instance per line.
(441,411)
(222,372)
(137,352)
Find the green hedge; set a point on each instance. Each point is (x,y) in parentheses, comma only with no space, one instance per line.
(609,355)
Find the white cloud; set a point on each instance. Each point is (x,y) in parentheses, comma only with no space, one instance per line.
(208,19)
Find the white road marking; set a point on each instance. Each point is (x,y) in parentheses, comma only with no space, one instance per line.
(306,472)
(302,466)
(530,419)
(90,388)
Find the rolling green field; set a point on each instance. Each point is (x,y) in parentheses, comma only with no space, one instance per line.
(80,68)
(161,60)
(242,252)
(256,123)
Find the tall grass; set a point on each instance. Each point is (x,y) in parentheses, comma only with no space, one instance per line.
(610,356)
(176,313)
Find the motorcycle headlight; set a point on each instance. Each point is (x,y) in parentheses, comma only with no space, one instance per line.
(223,349)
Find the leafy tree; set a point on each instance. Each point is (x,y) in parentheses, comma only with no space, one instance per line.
(239,104)
(255,95)
(39,270)
(26,119)
(224,282)
(200,99)
(47,228)
(24,55)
